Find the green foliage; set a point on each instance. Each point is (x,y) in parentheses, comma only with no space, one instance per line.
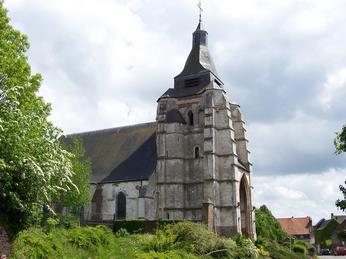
(196,238)
(34,243)
(173,254)
(164,240)
(342,203)
(90,237)
(131,226)
(340,141)
(81,168)
(342,235)
(299,249)
(68,221)
(340,146)
(323,235)
(277,251)
(267,226)
(180,240)
(33,165)
(301,243)
(122,233)
(312,251)
(140,225)
(61,243)
(245,249)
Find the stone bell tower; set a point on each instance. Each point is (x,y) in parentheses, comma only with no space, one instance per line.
(203,168)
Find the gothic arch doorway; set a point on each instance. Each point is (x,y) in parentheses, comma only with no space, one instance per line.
(121,206)
(245,212)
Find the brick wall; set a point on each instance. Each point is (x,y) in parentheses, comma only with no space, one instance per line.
(5,243)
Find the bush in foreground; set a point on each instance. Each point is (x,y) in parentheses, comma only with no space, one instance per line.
(37,243)
(181,240)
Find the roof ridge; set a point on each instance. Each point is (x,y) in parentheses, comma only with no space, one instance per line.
(296,217)
(139,125)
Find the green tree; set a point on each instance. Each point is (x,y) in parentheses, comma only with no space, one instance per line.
(33,164)
(340,141)
(81,168)
(267,226)
(340,146)
(342,203)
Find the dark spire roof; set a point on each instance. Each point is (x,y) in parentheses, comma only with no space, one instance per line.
(199,70)
(199,59)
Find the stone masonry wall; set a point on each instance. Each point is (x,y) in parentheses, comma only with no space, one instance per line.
(5,243)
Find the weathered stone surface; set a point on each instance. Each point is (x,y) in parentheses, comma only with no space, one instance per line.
(5,243)
(215,176)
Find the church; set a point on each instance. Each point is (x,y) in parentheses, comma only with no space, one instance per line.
(192,163)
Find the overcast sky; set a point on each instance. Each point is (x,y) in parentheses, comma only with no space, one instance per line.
(106,62)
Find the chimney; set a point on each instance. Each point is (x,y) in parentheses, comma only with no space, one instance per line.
(331,215)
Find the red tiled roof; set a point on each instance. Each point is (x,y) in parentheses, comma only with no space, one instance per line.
(295,226)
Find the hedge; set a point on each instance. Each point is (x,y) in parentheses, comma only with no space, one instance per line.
(140,225)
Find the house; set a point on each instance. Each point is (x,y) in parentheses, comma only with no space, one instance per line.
(327,232)
(299,228)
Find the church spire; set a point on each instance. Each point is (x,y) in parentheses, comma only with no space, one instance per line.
(200,10)
(199,72)
(199,60)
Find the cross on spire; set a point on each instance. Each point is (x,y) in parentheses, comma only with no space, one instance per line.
(200,10)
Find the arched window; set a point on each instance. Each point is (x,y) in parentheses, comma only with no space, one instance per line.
(121,206)
(190,115)
(197,152)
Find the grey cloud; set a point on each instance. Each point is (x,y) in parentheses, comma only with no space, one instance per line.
(273,69)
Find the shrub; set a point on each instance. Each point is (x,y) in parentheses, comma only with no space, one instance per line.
(122,233)
(175,254)
(245,248)
(131,226)
(34,243)
(267,226)
(90,238)
(302,243)
(69,221)
(312,251)
(262,251)
(299,249)
(196,238)
(277,251)
(163,240)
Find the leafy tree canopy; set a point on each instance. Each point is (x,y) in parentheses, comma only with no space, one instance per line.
(340,146)
(81,177)
(267,226)
(340,141)
(33,164)
(342,203)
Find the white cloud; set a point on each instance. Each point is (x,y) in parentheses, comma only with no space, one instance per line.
(333,88)
(300,195)
(105,64)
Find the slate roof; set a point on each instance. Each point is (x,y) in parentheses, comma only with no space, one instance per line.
(174,116)
(296,226)
(120,154)
(199,59)
(339,219)
(199,70)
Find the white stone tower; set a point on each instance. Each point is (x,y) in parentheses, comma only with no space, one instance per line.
(203,169)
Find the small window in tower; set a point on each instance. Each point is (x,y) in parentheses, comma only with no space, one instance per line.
(190,115)
(197,152)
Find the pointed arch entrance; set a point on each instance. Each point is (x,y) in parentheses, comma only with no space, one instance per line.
(121,206)
(245,212)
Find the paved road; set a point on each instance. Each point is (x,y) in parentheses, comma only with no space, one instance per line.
(331,257)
